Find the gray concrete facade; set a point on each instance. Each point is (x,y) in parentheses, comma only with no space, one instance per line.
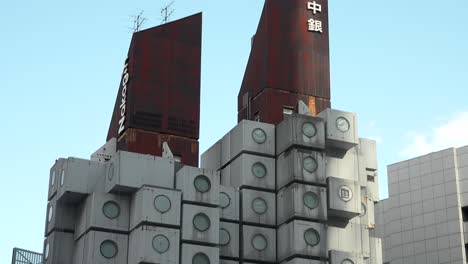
(422,221)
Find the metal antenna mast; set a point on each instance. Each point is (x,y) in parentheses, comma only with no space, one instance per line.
(138,21)
(166,13)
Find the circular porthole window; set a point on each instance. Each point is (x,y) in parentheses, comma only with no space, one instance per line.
(111,210)
(224,237)
(345,193)
(259,206)
(224,200)
(363,209)
(259,170)
(309,130)
(311,237)
(202,183)
(310,164)
(162,204)
(200,258)
(46,251)
(161,244)
(311,200)
(259,242)
(201,222)
(342,124)
(108,249)
(347,261)
(52,178)
(50,213)
(110,172)
(62,178)
(259,136)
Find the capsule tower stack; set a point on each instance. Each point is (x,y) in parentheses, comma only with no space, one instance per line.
(291,183)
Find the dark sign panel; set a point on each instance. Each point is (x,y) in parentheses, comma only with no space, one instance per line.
(290,53)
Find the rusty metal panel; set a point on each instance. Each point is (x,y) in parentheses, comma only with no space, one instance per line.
(160,87)
(287,57)
(268,105)
(147,142)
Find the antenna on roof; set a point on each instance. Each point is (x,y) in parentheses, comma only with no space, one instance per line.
(166,13)
(138,21)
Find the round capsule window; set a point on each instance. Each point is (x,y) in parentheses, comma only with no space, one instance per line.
(224,200)
(200,258)
(345,193)
(259,206)
(342,124)
(259,170)
(259,242)
(110,172)
(311,237)
(46,251)
(111,210)
(259,136)
(201,222)
(52,178)
(310,164)
(108,249)
(62,178)
(202,183)
(311,200)
(161,244)
(309,130)
(162,204)
(347,261)
(363,209)
(50,213)
(224,237)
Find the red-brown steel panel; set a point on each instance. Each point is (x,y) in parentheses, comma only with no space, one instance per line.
(276,101)
(163,89)
(147,142)
(287,56)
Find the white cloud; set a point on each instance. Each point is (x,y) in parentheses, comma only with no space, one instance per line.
(453,133)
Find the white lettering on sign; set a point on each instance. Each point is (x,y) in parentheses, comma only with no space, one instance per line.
(123,103)
(314,25)
(314,7)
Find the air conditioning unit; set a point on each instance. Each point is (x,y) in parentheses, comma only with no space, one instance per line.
(229,203)
(58,248)
(259,244)
(300,131)
(250,171)
(78,178)
(302,238)
(258,207)
(59,217)
(155,206)
(299,201)
(248,137)
(200,224)
(229,239)
(341,129)
(149,244)
(121,176)
(199,254)
(299,165)
(101,247)
(198,185)
(344,198)
(103,211)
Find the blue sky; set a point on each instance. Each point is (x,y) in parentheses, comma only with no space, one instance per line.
(401,65)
